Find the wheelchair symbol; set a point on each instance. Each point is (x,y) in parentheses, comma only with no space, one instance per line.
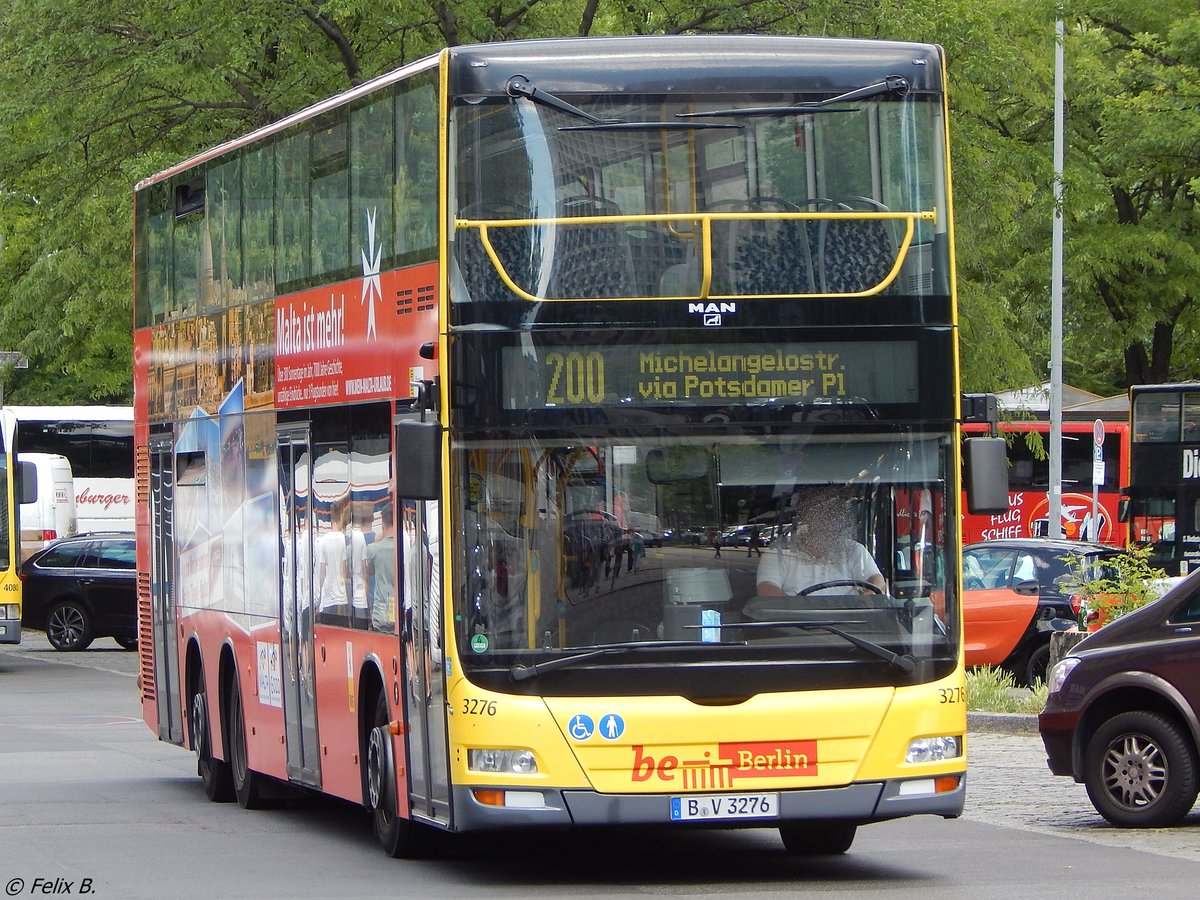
(581,727)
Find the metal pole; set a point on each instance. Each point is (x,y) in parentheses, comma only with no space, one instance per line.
(1056,299)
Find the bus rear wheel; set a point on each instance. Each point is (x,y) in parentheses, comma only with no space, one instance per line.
(398,836)
(247,784)
(214,773)
(818,838)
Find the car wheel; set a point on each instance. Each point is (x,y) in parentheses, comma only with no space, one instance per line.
(818,839)
(1140,771)
(127,643)
(1036,665)
(68,626)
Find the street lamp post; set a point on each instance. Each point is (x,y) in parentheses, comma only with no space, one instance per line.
(1054,512)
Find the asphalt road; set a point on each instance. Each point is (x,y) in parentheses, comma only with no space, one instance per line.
(91,800)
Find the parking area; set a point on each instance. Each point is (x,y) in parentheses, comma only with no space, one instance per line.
(1008,784)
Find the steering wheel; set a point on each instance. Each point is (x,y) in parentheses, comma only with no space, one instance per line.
(842,582)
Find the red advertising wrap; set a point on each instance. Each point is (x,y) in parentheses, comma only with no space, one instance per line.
(1028,513)
(1029,474)
(354,341)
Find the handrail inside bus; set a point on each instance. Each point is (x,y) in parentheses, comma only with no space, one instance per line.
(705,220)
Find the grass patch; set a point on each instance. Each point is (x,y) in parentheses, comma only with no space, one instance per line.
(991,689)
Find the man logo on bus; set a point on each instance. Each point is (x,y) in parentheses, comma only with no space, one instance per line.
(712,312)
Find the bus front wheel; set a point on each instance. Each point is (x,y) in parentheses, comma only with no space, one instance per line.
(818,838)
(399,837)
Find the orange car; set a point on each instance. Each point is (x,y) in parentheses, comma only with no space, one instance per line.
(1015,594)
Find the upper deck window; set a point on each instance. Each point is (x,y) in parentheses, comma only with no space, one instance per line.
(554,206)
(1156,417)
(297,209)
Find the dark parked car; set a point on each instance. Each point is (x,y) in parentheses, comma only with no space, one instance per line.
(81,588)
(1122,712)
(1016,593)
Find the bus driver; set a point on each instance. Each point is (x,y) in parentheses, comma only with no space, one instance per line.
(819,549)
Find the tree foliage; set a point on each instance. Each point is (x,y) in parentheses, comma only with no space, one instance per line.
(1133,224)
(98,94)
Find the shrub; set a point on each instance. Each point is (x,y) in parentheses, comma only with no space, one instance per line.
(992,689)
(1115,586)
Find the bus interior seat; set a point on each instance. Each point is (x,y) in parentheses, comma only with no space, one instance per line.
(514,247)
(681,279)
(655,251)
(762,256)
(854,254)
(592,261)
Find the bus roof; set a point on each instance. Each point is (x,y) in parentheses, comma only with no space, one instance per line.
(692,63)
(641,62)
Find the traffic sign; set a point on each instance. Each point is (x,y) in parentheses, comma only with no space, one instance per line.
(1098,433)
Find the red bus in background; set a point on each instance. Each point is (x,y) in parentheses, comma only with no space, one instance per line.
(1029,476)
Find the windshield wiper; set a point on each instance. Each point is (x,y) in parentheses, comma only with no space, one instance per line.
(892,84)
(524,673)
(905,664)
(520,86)
(649,126)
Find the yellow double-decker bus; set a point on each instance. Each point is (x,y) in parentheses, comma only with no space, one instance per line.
(564,433)
(10,532)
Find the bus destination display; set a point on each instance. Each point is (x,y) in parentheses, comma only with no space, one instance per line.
(882,372)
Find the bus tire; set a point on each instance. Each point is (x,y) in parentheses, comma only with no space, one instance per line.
(247,784)
(399,837)
(214,773)
(818,838)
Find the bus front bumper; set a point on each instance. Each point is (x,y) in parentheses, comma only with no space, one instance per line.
(10,631)
(861,802)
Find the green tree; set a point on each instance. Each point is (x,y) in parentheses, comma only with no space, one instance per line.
(98,94)
(1133,245)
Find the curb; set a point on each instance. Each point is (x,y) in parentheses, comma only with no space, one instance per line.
(1002,723)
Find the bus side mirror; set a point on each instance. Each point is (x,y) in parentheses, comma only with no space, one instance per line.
(1123,509)
(986,475)
(419,460)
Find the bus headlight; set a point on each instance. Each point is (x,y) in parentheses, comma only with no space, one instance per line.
(933,749)
(517,762)
(9,611)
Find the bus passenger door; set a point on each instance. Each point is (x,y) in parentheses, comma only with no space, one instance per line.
(162,563)
(420,561)
(295,614)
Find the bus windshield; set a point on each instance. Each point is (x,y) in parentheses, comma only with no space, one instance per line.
(846,195)
(721,550)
